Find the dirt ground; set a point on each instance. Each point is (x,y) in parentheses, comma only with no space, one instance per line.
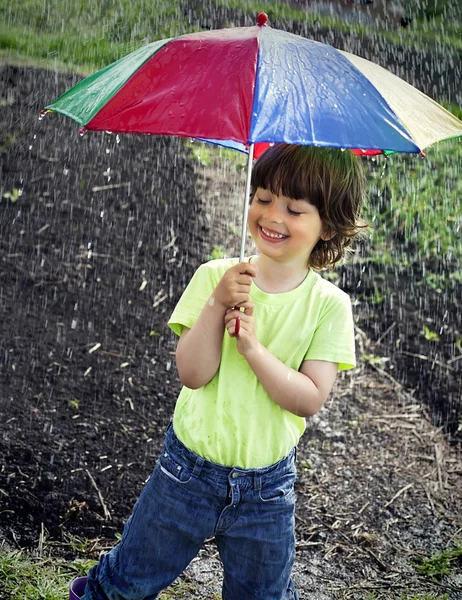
(98,238)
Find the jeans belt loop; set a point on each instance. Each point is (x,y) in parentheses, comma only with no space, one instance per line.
(257,481)
(198,465)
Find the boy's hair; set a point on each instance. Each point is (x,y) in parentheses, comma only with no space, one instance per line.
(331,179)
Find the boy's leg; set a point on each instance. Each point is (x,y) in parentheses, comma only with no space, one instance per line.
(256,536)
(168,525)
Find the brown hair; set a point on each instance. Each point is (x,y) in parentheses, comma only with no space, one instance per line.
(331,179)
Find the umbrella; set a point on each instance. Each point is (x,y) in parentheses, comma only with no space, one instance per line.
(249,87)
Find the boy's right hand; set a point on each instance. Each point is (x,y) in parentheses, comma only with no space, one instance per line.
(234,287)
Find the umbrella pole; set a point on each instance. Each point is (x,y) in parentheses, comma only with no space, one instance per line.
(246,203)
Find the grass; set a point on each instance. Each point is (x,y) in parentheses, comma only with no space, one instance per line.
(425,31)
(416,204)
(86,35)
(440,564)
(25,576)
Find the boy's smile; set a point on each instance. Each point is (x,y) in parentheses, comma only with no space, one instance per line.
(270,235)
(284,228)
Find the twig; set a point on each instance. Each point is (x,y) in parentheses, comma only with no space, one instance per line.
(362,549)
(171,242)
(107,514)
(392,326)
(433,360)
(111,186)
(41,540)
(393,380)
(438,455)
(396,416)
(430,500)
(160,300)
(455,359)
(398,494)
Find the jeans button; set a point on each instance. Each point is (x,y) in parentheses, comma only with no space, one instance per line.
(235,475)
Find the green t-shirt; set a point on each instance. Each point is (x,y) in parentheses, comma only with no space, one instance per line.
(232,420)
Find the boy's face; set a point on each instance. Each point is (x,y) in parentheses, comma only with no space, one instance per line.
(282,228)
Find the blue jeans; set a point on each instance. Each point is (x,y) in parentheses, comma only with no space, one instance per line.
(188,499)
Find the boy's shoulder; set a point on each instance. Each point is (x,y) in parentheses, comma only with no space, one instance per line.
(327,289)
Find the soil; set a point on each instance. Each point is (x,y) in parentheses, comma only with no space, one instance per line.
(98,238)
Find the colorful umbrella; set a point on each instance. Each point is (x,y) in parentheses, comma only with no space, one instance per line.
(248,87)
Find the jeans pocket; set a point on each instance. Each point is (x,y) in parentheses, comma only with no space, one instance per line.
(279,490)
(171,467)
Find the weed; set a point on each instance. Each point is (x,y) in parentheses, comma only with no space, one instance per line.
(217,252)
(305,465)
(439,564)
(430,336)
(375,360)
(81,546)
(24,577)
(13,195)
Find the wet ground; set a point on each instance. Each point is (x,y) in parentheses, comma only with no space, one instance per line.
(98,238)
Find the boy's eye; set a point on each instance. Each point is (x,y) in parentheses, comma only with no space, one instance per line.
(263,201)
(294,212)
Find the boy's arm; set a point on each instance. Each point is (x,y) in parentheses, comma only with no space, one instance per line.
(198,353)
(300,392)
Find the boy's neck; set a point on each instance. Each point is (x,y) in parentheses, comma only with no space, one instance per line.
(276,277)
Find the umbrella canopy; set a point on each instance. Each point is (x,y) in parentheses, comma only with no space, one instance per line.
(254,86)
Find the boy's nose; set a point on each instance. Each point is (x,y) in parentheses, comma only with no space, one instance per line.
(273,214)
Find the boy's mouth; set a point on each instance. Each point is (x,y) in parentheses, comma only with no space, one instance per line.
(271,236)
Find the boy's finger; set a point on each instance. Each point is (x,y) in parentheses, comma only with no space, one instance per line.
(237,327)
(247,306)
(248,268)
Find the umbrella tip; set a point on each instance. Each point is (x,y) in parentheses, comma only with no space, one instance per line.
(262,19)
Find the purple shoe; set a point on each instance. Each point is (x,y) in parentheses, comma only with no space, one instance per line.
(77,588)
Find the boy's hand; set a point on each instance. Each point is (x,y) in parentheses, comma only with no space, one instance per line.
(247,339)
(233,289)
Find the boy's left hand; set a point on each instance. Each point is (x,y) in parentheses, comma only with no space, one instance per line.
(247,338)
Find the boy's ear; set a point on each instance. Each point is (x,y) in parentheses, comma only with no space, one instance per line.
(328,235)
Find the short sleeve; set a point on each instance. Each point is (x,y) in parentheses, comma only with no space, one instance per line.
(334,339)
(193,299)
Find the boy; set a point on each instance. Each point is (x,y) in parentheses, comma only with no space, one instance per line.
(228,466)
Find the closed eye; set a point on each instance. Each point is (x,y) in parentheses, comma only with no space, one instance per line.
(260,201)
(294,213)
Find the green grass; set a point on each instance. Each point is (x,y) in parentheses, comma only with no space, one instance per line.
(416,203)
(440,564)
(26,576)
(86,35)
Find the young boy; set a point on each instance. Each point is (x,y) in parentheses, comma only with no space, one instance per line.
(228,466)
